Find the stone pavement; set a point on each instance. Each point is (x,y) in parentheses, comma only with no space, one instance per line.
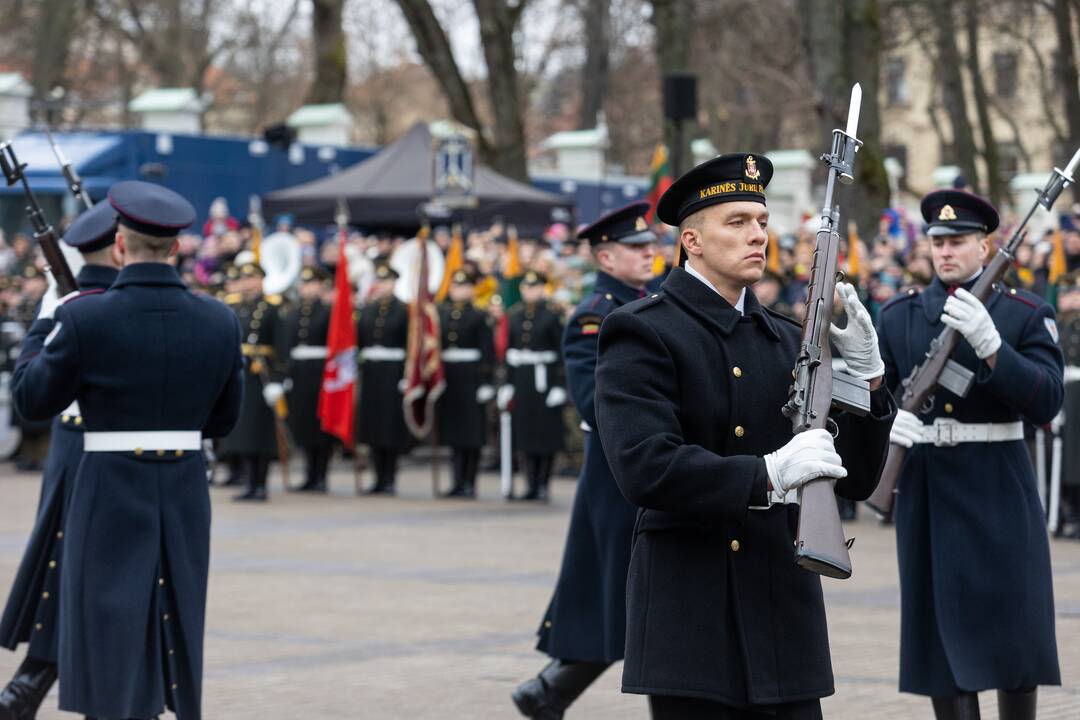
(344,607)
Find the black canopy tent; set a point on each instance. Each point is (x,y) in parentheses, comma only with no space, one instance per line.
(385,191)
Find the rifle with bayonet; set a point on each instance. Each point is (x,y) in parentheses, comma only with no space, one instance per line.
(74,182)
(937,368)
(47,239)
(820,545)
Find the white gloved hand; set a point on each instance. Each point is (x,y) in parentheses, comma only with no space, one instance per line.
(556,396)
(807,456)
(484,393)
(858,342)
(969,317)
(272,392)
(52,300)
(505,395)
(1072,373)
(906,429)
(402,384)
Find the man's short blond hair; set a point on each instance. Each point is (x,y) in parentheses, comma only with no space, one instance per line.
(142,245)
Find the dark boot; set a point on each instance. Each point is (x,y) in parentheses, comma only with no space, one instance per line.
(532,491)
(549,694)
(23,696)
(543,476)
(1017,704)
(964,706)
(255,469)
(459,469)
(472,467)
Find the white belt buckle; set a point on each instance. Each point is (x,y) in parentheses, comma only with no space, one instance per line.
(945,432)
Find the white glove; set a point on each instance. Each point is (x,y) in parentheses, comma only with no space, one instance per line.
(969,317)
(402,384)
(52,300)
(484,393)
(556,396)
(272,392)
(906,429)
(807,456)
(858,342)
(506,394)
(1072,373)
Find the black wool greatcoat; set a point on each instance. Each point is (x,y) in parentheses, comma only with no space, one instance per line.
(976,597)
(304,328)
(586,618)
(382,332)
(33,606)
(260,325)
(688,398)
(146,355)
(461,419)
(534,366)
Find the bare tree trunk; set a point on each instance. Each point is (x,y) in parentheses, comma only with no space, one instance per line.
(497,23)
(822,33)
(672,21)
(331,58)
(1070,81)
(594,78)
(52,42)
(982,105)
(949,64)
(434,48)
(864,42)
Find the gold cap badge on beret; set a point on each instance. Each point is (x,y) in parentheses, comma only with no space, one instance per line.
(640,225)
(947,213)
(752,171)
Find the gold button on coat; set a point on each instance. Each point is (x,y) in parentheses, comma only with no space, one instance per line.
(739,431)
(735,546)
(160,453)
(59,534)
(948,407)
(736,371)
(52,564)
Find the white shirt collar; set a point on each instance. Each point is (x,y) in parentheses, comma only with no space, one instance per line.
(742,295)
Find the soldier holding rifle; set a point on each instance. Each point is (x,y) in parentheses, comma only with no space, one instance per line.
(977,608)
(721,622)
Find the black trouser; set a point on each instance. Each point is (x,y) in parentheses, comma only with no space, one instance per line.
(254,469)
(318,463)
(466,463)
(667,707)
(538,471)
(384,463)
(1012,705)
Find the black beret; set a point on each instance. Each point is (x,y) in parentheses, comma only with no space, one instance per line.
(955,212)
(252,269)
(95,229)
(150,209)
(313,273)
(464,276)
(725,178)
(626,225)
(385,272)
(534,278)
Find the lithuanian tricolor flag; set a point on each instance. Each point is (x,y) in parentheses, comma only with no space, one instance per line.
(660,174)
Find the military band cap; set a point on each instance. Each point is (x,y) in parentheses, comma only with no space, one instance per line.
(534,278)
(385,272)
(150,209)
(726,178)
(251,269)
(29,272)
(94,230)
(313,273)
(1069,282)
(957,212)
(232,272)
(627,226)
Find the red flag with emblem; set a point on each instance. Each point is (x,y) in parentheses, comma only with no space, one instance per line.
(424,376)
(337,406)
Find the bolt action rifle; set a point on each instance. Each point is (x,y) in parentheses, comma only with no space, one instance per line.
(47,239)
(937,368)
(820,546)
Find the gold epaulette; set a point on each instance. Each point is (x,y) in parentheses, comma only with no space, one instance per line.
(232,298)
(250,350)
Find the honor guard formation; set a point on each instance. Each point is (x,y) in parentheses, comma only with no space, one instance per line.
(715,394)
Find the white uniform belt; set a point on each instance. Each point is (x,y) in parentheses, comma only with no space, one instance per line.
(946,432)
(308,352)
(516,357)
(381,353)
(1072,373)
(137,441)
(461,355)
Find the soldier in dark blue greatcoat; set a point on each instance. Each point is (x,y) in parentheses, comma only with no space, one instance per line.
(721,622)
(154,368)
(976,599)
(32,608)
(585,623)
